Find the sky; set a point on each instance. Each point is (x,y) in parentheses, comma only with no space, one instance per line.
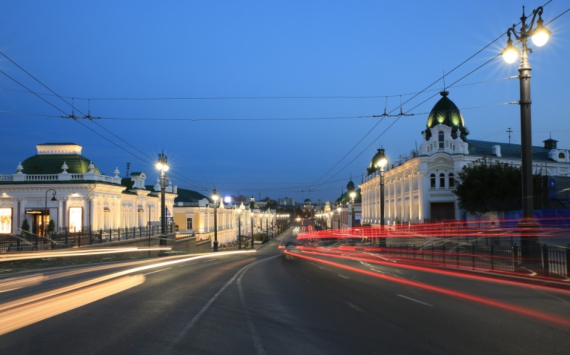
(266,98)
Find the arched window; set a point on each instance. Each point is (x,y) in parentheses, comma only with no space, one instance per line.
(440,139)
(432,181)
(451,180)
(560,155)
(442,181)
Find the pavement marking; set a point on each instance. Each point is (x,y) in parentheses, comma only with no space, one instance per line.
(415,300)
(197,317)
(207,261)
(148,273)
(355,307)
(344,277)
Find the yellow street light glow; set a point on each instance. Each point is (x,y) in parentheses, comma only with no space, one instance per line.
(510,53)
(382,162)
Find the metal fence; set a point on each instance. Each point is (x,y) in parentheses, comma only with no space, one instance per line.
(548,260)
(65,239)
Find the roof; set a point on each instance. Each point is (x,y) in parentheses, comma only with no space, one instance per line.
(446,112)
(508,151)
(185,195)
(68,143)
(374,162)
(52,163)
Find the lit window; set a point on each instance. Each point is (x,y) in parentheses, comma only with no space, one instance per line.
(5,220)
(75,219)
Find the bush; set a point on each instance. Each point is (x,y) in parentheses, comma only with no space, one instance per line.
(51,226)
(25,225)
(261,237)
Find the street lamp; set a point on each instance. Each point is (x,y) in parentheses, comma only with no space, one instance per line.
(539,35)
(382,162)
(53,199)
(215,198)
(352,195)
(338,209)
(162,166)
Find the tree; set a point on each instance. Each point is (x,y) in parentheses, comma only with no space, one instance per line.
(487,186)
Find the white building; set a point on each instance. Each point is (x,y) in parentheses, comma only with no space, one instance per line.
(419,186)
(60,184)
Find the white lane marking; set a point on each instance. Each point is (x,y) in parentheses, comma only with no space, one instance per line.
(254,333)
(197,317)
(148,273)
(344,277)
(207,261)
(355,307)
(415,300)
(322,268)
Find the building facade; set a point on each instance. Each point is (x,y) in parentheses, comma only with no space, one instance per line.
(419,186)
(59,184)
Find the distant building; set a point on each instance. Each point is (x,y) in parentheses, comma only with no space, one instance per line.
(286,202)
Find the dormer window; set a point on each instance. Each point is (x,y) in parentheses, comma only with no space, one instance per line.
(561,156)
(440,139)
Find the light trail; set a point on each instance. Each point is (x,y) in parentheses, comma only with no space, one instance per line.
(16,283)
(463,275)
(562,322)
(23,316)
(69,253)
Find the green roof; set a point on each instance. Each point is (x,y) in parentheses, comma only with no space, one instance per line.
(52,163)
(185,195)
(445,112)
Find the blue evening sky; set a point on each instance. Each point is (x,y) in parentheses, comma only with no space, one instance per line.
(244,62)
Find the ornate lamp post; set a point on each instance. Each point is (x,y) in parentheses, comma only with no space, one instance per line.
(382,162)
(53,199)
(215,198)
(338,209)
(352,195)
(539,35)
(162,166)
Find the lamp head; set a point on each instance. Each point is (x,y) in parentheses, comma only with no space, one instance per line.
(215,196)
(510,53)
(541,34)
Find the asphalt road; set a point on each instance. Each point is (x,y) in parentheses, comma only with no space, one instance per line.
(271,303)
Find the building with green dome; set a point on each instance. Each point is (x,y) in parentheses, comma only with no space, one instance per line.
(419,186)
(60,184)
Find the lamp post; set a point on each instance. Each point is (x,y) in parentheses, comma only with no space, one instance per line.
(352,195)
(162,166)
(251,215)
(215,197)
(53,199)
(239,227)
(338,209)
(539,35)
(382,162)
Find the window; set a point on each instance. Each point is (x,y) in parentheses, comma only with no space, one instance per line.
(440,139)
(75,219)
(560,155)
(432,181)
(451,180)
(188,223)
(5,220)
(442,181)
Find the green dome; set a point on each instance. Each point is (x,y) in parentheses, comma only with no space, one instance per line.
(374,162)
(350,186)
(52,163)
(445,112)
(307,201)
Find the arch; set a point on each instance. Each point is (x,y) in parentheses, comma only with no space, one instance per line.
(432,181)
(442,181)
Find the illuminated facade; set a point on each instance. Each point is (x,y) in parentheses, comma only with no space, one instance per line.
(419,187)
(60,184)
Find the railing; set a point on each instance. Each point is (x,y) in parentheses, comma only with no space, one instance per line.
(42,177)
(66,239)
(60,177)
(547,259)
(6,178)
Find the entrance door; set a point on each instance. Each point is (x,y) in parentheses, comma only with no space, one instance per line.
(442,211)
